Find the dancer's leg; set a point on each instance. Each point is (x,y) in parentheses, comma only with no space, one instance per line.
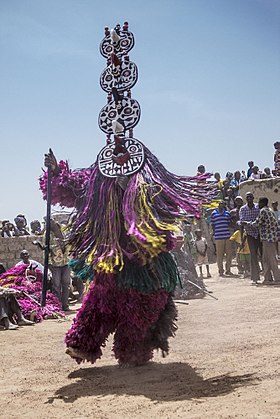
(137,314)
(95,320)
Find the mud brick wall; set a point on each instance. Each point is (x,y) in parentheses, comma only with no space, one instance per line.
(10,248)
(270,188)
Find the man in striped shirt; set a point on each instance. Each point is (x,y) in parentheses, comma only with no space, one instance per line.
(220,220)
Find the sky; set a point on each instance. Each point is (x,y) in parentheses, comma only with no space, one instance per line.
(208,86)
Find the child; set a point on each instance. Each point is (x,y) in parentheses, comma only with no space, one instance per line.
(189,239)
(201,249)
(243,251)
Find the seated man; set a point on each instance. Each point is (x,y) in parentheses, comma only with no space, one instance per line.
(10,314)
(33,264)
(59,258)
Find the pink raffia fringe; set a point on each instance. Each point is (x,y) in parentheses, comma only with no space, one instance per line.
(15,278)
(107,309)
(67,186)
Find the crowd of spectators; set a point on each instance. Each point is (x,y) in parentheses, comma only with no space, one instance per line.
(229,187)
(20,227)
(245,231)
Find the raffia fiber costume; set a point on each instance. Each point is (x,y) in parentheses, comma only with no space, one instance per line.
(121,236)
(18,278)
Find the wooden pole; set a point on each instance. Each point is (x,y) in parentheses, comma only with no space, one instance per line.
(202,289)
(47,240)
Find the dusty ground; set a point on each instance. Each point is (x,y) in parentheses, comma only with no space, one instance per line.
(224,363)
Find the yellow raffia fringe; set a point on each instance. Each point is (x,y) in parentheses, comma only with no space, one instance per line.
(154,244)
(145,212)
(108,262)
(87,286)
(213,204)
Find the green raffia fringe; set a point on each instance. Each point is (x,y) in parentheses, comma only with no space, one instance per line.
(161,272)
(81,269)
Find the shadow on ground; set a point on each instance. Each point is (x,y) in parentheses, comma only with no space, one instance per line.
(158,382)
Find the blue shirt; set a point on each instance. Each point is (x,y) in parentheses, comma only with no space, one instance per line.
(234,182)
(220,223)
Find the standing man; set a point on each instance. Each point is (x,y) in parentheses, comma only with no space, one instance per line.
(248,213)
(59,265)
(220,220)
(250,170)
(268,227)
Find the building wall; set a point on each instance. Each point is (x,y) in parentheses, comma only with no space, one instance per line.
(10,248)
(269,188)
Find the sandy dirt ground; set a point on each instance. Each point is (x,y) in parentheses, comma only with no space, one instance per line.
(223,363)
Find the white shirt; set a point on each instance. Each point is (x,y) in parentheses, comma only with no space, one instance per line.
(255,176)
(34,264)
(201,245)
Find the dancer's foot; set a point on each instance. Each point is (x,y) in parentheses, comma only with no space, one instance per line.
(75,353)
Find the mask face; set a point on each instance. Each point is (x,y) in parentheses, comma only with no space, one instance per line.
(120,43)
(126,109)
(122,76)
(121,159)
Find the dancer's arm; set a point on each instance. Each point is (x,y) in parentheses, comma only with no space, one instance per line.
(67,184)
